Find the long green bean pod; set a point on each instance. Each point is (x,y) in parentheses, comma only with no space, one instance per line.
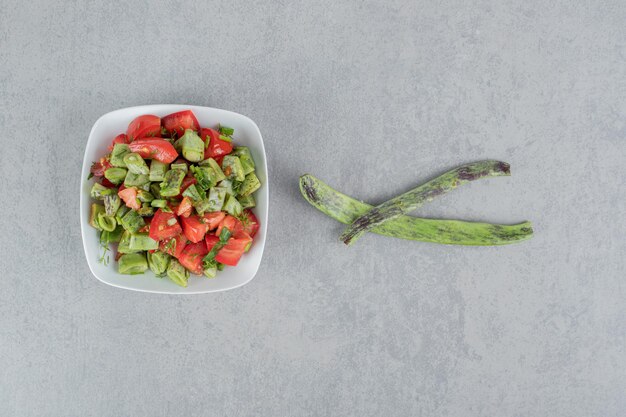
(416,197)
(346,209)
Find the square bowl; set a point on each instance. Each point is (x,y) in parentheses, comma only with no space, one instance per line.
(247,134)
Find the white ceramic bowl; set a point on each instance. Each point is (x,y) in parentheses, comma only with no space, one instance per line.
(246,134)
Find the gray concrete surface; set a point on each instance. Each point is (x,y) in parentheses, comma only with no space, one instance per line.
(372,98)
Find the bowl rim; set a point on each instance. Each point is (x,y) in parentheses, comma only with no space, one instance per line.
(82,216)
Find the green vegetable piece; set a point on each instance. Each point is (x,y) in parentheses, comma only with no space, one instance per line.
(132,221)
(346,209)
(120,150)
(177,273)
(158,262)
(112,203)
(99,191)
(94,211)
(205,175)
(191,145)
(217,196)
(135,164)
(182,166)
(170,187)
(145,187)
(220,267)
(135,180)
(157,170)
(142,241)
(201,206)
(123,246)
(158,203)
(192,192)
(121,212)
(231,165)
(250,185)
(115,175)
(132,264)
(247,201)
(232,206)
(225,130)
(227,185)
(210,271)
(155,190)
(210,162)
(146,210)
(419,195)
(226,138)
(107,237)
(144,196)
(245,158)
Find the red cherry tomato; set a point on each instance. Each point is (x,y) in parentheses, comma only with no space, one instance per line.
(213,220)
(155,148)
(194,228)
(121,138)
(176,123)
(216,147)
(144,126)
(164,226)
(174,246)
(233,250)
(192,255)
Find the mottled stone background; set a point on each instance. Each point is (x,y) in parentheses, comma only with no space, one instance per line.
(373,98)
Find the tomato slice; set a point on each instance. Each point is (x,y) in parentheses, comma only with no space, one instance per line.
(194,228)
(192,255)
(213,220)
(250,224)
(210,240)
(184,208)
(154,148)
(217,147)
(144,126)
(174,246)
(164,226)
(229,222)
(179,121)
(121,138)
(129,196)
(233,250)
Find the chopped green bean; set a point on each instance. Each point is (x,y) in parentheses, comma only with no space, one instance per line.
(231,165)
(115,175)
(133,180)
(249,185)
(170,187)
(135,164)
(99,191)
(191,146)
(94,212)
(177,273)
(158,262)
(142,241)
(245,158)
(106,223)
(117,155)
(157,170)
(112,203)
(158,203)
(132,264)
(132,221)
